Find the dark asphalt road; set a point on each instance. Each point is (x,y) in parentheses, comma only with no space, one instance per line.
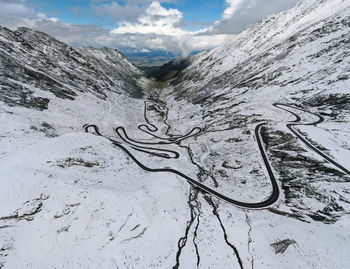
(144,147)
(297,122)
(151,129)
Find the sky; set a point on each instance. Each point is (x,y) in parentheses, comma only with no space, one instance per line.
(175,26)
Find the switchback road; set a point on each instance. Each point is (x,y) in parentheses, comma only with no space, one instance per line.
(151,148)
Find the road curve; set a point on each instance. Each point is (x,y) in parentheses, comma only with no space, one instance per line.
(151,129)
(297,122)
(143,147)
(269,201)
(171,139)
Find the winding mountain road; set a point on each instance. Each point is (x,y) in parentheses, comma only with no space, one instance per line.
(151,129)
(297,122)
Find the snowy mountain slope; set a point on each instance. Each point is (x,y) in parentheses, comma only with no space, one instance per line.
(39,60)
(301,58)
(307,34)
(75,199)
(298,57)
(50,169)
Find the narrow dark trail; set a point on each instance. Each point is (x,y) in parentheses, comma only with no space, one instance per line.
(171,139)
(134,144)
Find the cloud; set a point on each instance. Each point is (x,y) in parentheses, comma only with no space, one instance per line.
(12,12)
(159,28)
(142,25)
(115,12)
(241,14)
(145,51)
(156,19)
(233,7)
(126,10)
(155,28)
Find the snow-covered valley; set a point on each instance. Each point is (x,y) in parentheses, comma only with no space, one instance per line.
(73,199)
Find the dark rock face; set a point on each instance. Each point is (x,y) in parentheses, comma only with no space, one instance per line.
(281,246)
(17,95)
(300,175)
(31,59)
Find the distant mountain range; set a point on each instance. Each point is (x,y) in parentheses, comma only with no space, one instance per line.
(149,58)
(152,58)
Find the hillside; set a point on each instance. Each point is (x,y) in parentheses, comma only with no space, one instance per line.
(298,58)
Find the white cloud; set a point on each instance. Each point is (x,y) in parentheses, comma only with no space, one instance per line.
(127,10)
(114,12)
(142,24)
(156,19)
(241,14)
(12,12)
(232,8)
(155,43)
(163,28)
(145,51)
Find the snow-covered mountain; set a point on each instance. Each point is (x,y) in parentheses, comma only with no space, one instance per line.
(299,57)
(41,61)
(271,105)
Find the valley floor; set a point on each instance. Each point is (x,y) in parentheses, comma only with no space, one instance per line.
(71,199)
